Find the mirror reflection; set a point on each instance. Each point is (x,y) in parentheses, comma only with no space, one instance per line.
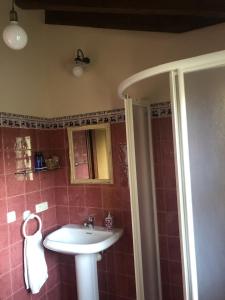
(90,154)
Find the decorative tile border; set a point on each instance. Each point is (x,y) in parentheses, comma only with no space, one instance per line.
(160,110)
(23,121)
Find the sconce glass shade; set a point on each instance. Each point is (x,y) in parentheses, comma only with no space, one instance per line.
(78,70)
(14,36)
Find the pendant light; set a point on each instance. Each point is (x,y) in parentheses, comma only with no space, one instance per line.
(14,36)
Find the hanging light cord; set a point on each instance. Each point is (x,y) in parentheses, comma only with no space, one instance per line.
(13,13)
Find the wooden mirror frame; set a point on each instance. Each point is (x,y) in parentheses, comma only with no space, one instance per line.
(73,179)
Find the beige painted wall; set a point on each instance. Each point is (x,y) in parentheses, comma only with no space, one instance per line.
(38,80)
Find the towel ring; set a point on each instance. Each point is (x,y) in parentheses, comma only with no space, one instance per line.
(31,217)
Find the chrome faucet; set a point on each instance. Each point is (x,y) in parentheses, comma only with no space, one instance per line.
(90,222)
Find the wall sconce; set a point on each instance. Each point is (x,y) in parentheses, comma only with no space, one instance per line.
(14,36)
(80,62)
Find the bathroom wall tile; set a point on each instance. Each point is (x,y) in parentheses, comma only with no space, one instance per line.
(112,198)
(77,215)
(172,226)
(125,244)
(61,177)
(62,214)
(4,236)
(171,200)
(53,278)
(43,139)
(3,211)
(12,161)
(166,131)
(167,150)
(15,185)
(2,162)
(61,196)
(52,258)
(57,139)
(175,273)
(164,268)
(169,178)
(67,272)
(33,184)
(162,223)
(93,197)
(48,195)
(68,292)
(15,234)
(125,286)
(176,292)
(2,187)
(17,278)
(9,137)
(21,294)
(121,263)
(167,206)
(174,252)
(47,180)
(55,293)
(18,204)
(67,203)
(102,281)
(5,284)
(49,218)
(16,254)
(160,199)
(163,247)
(4,261)
(76,196)
(156,124)
(32,199)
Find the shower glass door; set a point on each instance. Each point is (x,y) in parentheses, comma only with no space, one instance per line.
(142,200)
(205,119)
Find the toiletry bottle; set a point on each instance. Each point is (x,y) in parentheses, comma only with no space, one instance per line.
(109,222)
(37,161)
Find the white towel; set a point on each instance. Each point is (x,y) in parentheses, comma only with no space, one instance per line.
(35,267)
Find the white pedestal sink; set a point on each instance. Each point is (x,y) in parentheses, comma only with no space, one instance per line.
(85,244)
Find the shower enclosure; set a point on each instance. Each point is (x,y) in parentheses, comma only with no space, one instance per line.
(196,90)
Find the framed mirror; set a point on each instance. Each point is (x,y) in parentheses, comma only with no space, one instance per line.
(90,154)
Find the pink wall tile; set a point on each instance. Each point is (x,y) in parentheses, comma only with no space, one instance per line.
(3,211)
(4,236)
(4,261)
(5,284)
(67,203)
(16,254)
(18,204)
(168,226)
(61,196)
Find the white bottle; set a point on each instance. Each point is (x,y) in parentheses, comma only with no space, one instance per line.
(109,222)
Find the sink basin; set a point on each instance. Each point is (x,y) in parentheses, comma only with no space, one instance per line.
(77,239)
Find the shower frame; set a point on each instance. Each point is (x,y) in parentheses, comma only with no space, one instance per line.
(176,71)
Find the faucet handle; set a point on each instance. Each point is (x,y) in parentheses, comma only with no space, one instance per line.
(91,219)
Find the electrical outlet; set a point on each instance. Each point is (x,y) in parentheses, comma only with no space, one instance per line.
(11,216)
(41,207)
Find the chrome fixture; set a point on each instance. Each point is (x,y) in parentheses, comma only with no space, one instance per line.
(80,62)
(14,36)
(90,222)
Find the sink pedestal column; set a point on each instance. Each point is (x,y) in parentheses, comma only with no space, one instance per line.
(87,276)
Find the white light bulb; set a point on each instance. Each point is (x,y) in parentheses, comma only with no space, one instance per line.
(78,71)
(15,36)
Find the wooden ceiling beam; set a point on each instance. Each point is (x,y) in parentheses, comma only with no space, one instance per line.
(147,15)
(158,23)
